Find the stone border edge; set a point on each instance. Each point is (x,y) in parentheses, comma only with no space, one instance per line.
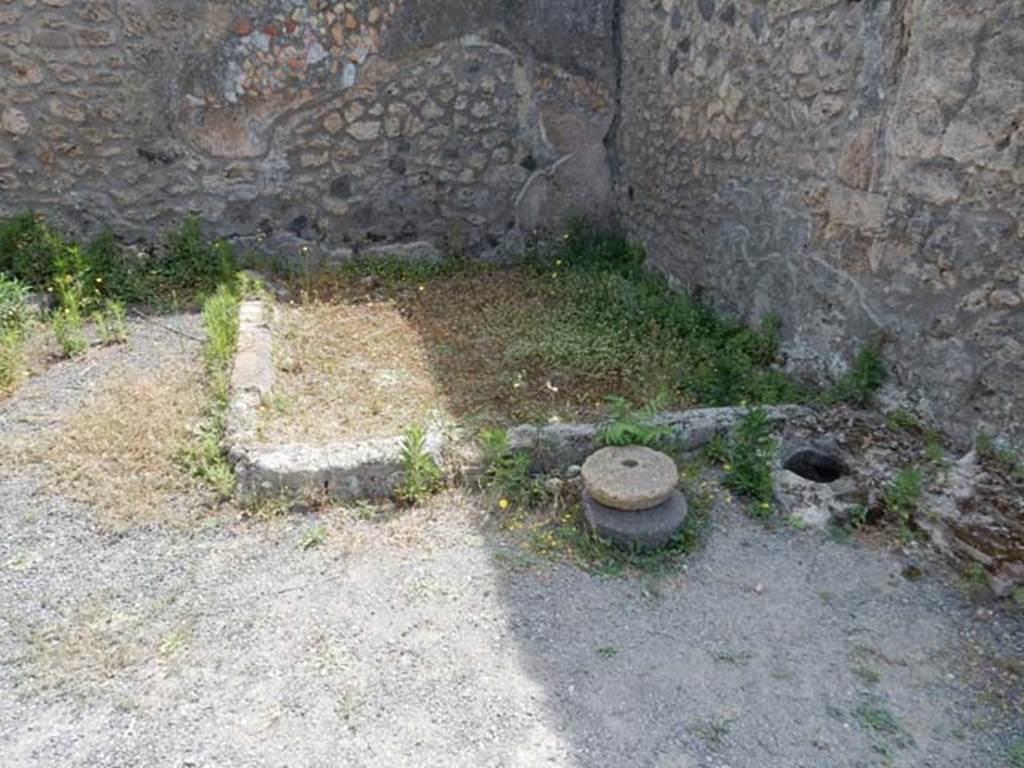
(373,468)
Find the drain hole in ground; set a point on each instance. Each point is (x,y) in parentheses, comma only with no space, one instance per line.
(630,463)
(817,466)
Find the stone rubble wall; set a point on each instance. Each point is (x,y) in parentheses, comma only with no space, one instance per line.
(853,167)
(308,127)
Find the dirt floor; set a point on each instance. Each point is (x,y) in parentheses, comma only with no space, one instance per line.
(157,630)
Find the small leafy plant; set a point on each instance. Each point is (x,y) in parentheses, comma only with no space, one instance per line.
(422,476)
(865,377)
(111,325)
(632,426)
(749,451)
(14,308)
(507,472)
(903,495)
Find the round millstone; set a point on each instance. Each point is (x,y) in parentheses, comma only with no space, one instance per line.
(629,478)
(641,529)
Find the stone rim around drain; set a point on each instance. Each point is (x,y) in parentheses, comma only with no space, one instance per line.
(629,478)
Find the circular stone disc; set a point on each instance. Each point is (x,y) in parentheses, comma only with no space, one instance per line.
(629,478)
(643,529)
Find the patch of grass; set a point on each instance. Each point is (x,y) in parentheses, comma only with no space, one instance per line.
(189,266)
(313,536)
(607,652)
(1015,753)
(118,452)
(203,457)
(421,475)
(174,642)
(749,452)
(974,575)
(111,326)
(877,718)
(10,359)
(902,496)
(564,535)
(713,732)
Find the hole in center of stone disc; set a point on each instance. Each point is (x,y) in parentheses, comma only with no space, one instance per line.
(630,463)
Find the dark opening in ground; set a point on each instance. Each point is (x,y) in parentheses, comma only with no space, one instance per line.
(815,464)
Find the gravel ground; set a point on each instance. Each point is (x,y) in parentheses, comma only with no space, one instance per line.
(429,639)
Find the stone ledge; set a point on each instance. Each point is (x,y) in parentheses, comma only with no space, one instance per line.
(373,468)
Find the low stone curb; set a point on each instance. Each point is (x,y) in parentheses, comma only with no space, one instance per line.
(374,468)
(556,446)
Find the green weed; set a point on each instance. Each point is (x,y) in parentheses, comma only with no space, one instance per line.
(507,473)
(14,309)
(865,377)
(615,317)
(40,257)
(900,419)
(29,249)
(632,426)
(314,536)
(422,477)
(10,358)
(111,326)
(903,495)
(1015,753)
(749,453)
(607,652)
(883,723)
(204,456)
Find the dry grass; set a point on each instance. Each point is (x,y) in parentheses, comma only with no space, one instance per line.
(118,451)
(95,644)
(357,359)
(349,370)
(36,352)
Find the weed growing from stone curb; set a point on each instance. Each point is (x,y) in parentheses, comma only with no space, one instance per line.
(507,473)
(632,426)
(204,456)
(903,495)
(749,452)
(421,475)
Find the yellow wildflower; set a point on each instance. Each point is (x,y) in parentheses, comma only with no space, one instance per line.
(503,503)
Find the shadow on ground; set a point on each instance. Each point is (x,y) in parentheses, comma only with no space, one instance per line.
(429,637)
